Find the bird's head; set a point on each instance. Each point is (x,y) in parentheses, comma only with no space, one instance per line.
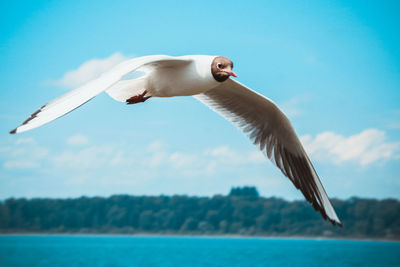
(221,69)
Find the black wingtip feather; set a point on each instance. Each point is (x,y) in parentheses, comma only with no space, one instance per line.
(13,131)
(299,170)
(335,223)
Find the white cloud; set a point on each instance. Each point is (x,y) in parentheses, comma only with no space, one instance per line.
(78,140)
(365,148)
(156,153)
(223,158)
(21,141)
(225,154)
(95,157)
(256,157)
(20,164)
(89,70)
(181,160)
(214,160)
(157,159)
(159,168)
(156,146)
(292,107)
(24,154)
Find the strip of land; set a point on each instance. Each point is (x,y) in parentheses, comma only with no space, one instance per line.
(241,213)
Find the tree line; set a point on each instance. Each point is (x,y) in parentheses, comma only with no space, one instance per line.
(242,212)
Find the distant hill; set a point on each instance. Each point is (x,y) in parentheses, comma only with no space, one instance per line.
(242,212)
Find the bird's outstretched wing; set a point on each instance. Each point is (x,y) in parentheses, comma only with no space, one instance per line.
(272,132)
(75,98)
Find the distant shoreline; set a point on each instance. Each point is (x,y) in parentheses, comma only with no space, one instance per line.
(206,236)
(244,216)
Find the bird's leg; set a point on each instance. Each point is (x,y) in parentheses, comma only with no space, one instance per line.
(137,98)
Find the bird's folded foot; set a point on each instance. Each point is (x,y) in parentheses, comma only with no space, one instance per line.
(137,98)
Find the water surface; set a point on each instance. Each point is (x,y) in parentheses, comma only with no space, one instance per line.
(192,251)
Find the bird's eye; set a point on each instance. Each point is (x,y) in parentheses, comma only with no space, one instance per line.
(219,65)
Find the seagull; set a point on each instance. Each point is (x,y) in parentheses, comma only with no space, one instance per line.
(208,79)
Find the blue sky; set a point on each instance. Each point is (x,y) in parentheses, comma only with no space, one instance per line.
(332,66)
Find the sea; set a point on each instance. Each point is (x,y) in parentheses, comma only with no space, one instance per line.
(108,250)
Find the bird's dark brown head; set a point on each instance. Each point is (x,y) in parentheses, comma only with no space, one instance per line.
(221,69)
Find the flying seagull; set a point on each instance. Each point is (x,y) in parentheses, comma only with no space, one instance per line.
(207,78)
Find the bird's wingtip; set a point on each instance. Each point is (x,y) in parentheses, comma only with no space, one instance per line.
(335,222)
(13,131)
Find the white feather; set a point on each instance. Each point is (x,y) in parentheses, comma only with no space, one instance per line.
(125,89)
(81,95)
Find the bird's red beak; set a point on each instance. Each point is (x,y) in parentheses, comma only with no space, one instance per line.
(232,73)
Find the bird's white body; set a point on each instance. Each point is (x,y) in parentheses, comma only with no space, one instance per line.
(178,76)
(166,76)
(191,79)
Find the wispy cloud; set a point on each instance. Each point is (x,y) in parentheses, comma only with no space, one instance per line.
(24,154)
(81,157)
(293,107)
(21,141)
(94,157)
(228,155)
(88,70)
(78,140)
(20,164)
(120,166)
(365,148)
(209,161)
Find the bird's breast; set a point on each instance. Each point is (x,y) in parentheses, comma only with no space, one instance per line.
(192,79)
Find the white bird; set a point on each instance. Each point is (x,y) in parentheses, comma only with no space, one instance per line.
(207,78)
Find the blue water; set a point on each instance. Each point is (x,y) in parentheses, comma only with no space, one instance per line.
(192,251)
